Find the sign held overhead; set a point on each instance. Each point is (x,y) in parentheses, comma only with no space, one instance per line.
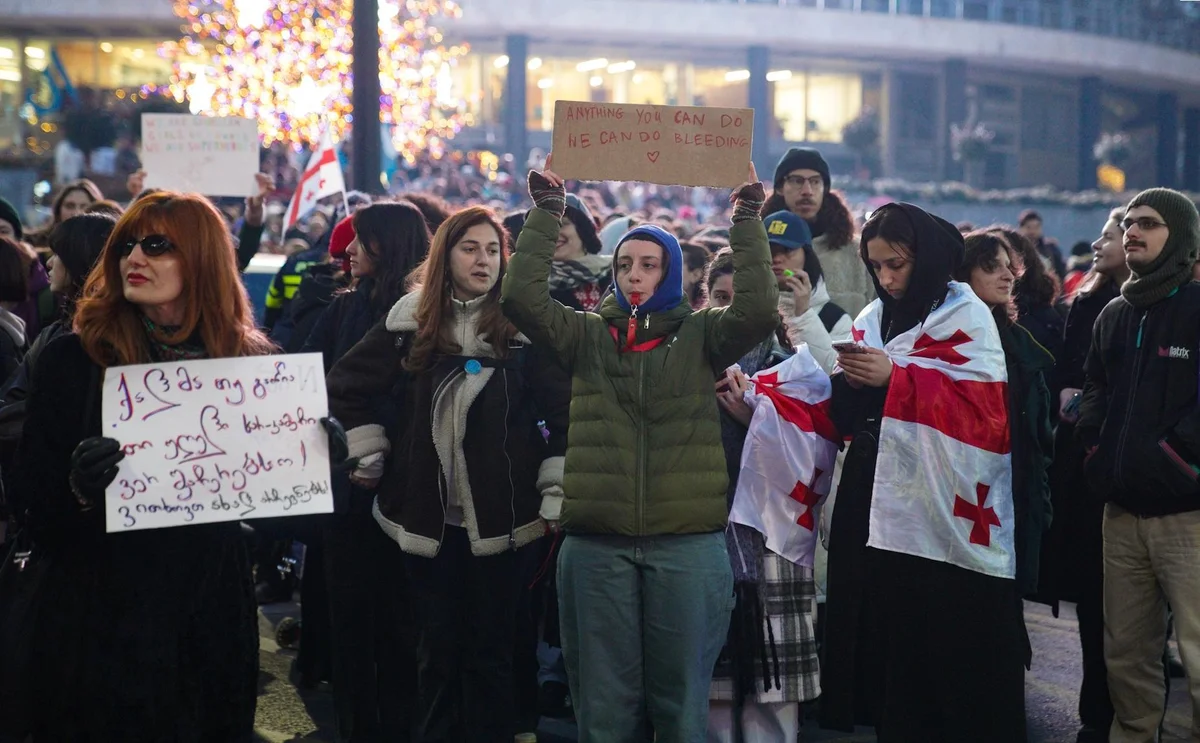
(670,145)
(209,155)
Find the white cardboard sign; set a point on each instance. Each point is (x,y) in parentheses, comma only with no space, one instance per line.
(209,155)
(217,440)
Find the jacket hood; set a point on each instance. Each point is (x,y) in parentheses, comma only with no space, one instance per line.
(937,253)
(14,326)
(669,293)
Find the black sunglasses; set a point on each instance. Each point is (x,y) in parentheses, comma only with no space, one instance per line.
(152,245)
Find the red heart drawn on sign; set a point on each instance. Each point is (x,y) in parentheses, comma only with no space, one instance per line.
(653,156)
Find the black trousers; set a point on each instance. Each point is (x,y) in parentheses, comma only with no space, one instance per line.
(466,615)
(1095,705)
(373,651)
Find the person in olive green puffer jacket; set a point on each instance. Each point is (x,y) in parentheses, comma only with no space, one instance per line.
(645,587)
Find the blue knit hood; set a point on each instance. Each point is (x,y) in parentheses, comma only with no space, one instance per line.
(669,293)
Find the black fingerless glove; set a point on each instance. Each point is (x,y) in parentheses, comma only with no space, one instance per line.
(339,447)
(748,202)
(93,468)
(547,197)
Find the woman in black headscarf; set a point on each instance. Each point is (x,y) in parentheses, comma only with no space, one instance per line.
(924,650)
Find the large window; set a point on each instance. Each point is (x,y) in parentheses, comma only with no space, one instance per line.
(814,106)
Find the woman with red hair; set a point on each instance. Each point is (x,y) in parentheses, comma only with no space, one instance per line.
(150,635)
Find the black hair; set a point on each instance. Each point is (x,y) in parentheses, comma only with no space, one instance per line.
(585,226)
(395,236)
(78,243)
(722,265)
(695,256)
(14,272)
(892,226)
(1083,247)
(513,224)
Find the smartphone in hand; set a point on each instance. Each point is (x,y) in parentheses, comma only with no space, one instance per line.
(849,347)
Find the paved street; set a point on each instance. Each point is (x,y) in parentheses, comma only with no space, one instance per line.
(1052,690)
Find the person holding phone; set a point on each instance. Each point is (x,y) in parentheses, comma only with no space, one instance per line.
(808,314)
(645,587)
(913,583)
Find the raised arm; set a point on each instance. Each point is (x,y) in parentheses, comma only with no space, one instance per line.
(753,315)
(525,291)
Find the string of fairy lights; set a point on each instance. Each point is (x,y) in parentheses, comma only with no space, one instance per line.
(287,64)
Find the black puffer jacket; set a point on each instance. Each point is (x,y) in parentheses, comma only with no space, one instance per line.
(1140,405)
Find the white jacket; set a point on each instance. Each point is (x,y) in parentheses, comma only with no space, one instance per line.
(808,328)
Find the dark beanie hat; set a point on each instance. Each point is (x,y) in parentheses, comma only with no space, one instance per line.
(1173,267)
(581,217)
(8,213)
(801,158)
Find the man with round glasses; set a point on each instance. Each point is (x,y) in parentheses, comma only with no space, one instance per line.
(1140,422)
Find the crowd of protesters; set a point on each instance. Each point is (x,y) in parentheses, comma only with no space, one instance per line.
(539,420)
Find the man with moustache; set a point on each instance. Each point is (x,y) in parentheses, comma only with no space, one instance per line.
(1140,423)
(802,187)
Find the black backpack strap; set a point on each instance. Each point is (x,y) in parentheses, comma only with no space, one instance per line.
(830,314)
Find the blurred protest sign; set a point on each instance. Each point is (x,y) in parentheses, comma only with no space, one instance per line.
(210,155)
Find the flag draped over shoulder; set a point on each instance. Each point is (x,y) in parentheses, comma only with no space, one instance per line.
(943,478)
(787,461)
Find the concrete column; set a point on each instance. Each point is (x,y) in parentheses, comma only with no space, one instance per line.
(954,111)
(759,94)
(1090,112)
(516,137)
(1191,149)
(1167,152)
(366,157)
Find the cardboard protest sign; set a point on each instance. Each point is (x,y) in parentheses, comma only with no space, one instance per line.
(217,440)
(210,155)
(671,145)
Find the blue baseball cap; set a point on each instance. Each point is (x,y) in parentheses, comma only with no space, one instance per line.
(787,230)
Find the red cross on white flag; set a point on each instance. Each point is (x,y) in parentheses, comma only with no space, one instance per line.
(943,478)
(787,462)
(322,177)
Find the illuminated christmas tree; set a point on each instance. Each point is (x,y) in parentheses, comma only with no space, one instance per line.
(287,63)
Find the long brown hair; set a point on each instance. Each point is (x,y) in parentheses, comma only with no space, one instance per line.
(435,313)
(215,302)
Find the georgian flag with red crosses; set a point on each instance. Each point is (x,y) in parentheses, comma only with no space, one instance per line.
(943,479)
(788,457)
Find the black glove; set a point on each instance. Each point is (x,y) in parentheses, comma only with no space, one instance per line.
(339,447)
(93,468)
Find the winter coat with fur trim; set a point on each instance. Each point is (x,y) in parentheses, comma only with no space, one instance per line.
(468,441)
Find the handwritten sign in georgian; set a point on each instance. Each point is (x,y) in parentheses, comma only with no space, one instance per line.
(217,440)
(210,155)
(671,145)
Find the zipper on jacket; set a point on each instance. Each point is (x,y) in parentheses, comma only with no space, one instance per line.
(1133,385)
(642,454)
